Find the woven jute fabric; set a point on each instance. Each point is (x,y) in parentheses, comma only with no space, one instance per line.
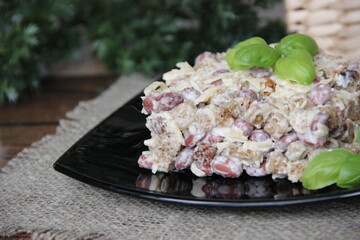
(34,198)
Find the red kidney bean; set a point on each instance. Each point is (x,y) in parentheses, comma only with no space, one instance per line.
(320,117)
(204,168)
(320,94)
(215,139)
(163,102)
(148,104)
(144,162)
(217,82)
(226,167)
(283,143)
(219,72)
(310,139)
(184,158)
(168,101)
(259,73)
(204,153)
(192,139)
(256,172)
(251,95)
(245,126)
(259,136)
(202,56)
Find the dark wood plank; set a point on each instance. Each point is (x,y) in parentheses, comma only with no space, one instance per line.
(36,115)
(56,97)
(24,135)
(20,236)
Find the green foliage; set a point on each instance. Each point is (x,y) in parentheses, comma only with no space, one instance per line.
(151,36)
(145,36)
(32,33)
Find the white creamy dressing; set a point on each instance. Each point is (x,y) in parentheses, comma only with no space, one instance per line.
(231,134)
(194,169)
(263,146)
(322,130)
(171,126)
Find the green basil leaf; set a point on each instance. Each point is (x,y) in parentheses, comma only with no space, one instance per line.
(349,176)
(230,59)
(230,55)
(297,41)
(298,66)
(250,41)
(255,55)
(324,169)
(301,55)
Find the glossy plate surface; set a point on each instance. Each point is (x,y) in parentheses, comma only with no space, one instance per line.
(107,156)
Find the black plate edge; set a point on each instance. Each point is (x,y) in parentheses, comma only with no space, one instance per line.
(209,203)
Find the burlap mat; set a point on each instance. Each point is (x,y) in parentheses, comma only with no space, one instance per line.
(34,198)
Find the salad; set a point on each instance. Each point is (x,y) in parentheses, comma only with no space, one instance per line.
(287,109)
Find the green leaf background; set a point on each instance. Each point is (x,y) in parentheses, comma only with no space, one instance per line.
(144,36)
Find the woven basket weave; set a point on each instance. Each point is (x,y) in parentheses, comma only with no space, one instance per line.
(334,24)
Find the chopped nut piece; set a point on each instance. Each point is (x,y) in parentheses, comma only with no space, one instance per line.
(277,163)
(204,153)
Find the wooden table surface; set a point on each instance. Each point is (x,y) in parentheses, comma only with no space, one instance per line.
(36,115)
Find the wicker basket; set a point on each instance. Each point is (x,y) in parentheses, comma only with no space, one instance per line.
(334,24)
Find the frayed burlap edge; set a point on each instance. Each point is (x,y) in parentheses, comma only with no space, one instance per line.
(82,118)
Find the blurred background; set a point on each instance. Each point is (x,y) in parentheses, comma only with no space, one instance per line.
(42,37)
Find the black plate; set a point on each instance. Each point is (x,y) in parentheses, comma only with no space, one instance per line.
(107,156)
